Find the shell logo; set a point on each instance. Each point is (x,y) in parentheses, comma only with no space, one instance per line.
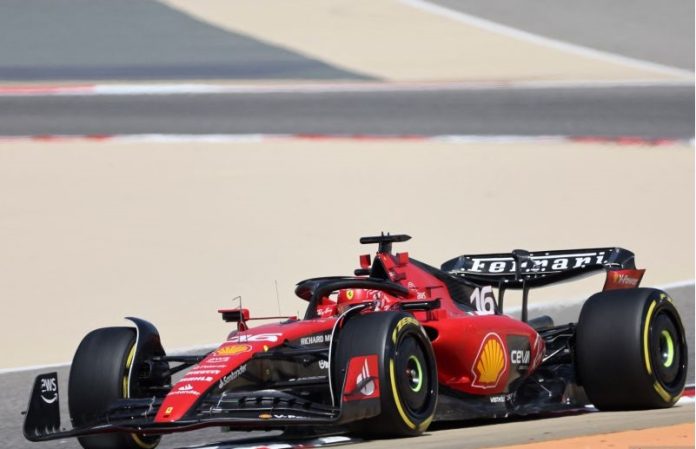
(233,350)
(490,362)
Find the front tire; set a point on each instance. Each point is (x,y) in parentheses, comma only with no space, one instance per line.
(631,350)
(99,375)
(407,372)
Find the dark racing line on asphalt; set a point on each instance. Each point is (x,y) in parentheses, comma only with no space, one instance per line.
(648,112)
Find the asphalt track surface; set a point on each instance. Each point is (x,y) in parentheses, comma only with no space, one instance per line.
(135,40)
(651,112)
(661,32)
(463,435)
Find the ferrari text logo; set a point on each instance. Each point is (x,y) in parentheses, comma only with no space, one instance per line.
(490,362)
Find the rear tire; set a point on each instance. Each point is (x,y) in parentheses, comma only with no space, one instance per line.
(631,350)
(98,377)
(407,372)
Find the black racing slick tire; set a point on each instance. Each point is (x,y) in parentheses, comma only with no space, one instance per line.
(631,350)
(407,372)
(98,377)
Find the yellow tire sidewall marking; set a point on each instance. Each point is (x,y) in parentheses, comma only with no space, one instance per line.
(397,399)
(646,329)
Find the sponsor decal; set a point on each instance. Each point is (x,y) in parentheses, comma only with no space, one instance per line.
(187,387)
(210,365)
(233,350)
(618,279)
(254,338)
(403,322)
(203,371)
(537,264)
(350,294)
(362,378)
(315,339)
(168,412)
(181,393)
(197,379)
(501,398)
(420,294)
(49,390)
(217,360)
(232,376)
(287,416)
(490,362)
(299,379)
(519,357)
(265,416)
(323,364)
(326,311)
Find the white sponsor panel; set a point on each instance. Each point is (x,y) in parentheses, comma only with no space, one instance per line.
(197,379)
(204,371)
(255,338)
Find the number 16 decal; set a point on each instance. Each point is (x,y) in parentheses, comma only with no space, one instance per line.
(483,300)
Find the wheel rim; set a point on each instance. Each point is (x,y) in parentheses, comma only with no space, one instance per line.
(414,381)
(414,374)
(667,351)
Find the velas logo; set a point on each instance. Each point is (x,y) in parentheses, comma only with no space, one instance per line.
(233,350)
(490,362)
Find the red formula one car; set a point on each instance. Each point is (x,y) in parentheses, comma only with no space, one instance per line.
(384,353)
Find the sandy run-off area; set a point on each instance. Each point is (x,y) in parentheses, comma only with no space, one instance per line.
(91,232)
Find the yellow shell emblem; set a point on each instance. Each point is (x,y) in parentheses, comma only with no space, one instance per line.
(490,362)
(233,350)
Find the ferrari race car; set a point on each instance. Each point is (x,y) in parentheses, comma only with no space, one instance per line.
(384,353)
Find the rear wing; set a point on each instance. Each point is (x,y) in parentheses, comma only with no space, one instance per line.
(522,269)
(538,268)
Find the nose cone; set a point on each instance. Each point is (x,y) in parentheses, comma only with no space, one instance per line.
(201,378)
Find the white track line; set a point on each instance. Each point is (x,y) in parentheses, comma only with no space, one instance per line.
(545,41)
(319,88)
(363,138)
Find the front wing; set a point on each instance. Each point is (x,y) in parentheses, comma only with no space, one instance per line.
(263,409)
